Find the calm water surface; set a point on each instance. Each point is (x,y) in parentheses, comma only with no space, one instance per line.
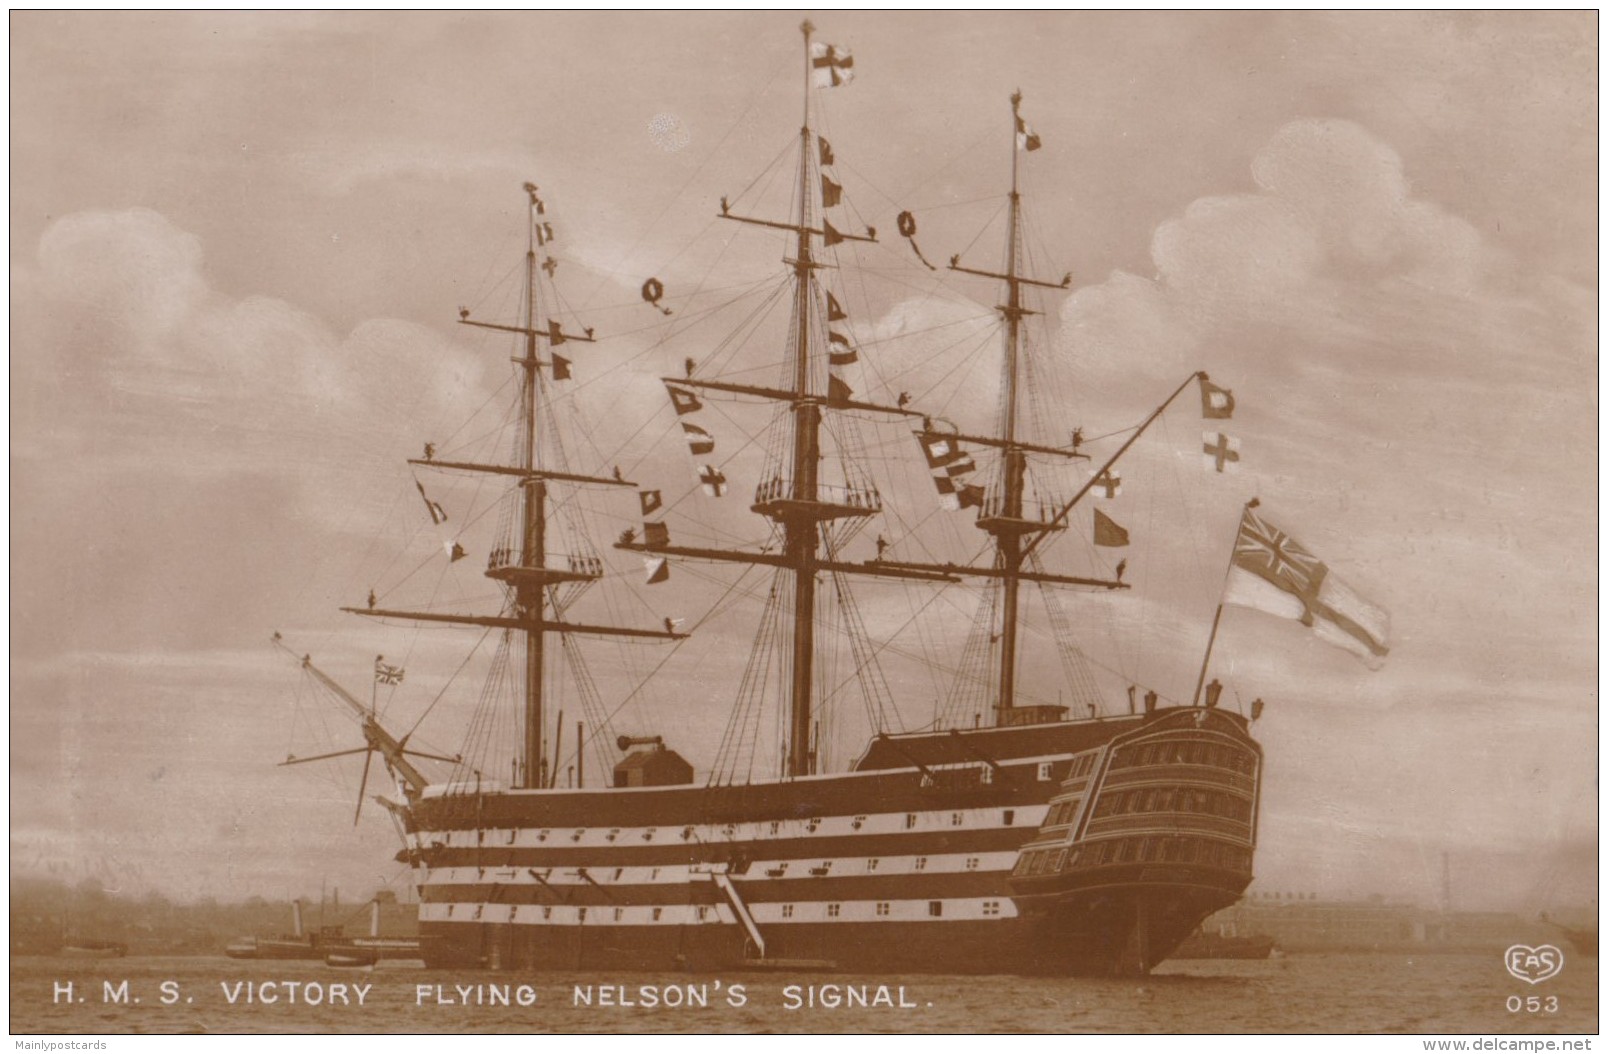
(1465,993)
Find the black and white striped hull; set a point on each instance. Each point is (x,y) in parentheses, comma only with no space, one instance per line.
(904,864)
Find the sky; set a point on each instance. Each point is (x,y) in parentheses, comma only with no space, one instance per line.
(239,243)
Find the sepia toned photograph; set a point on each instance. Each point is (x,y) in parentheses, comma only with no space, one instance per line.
(776,522)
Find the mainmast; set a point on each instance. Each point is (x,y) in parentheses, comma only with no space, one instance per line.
(525,574)
(799,506)
(801,523)
(530,592)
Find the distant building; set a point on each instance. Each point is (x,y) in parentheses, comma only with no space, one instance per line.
(1301,922)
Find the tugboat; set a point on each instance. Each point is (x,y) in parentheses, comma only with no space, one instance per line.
(297,944)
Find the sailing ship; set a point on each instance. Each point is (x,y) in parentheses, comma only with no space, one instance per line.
(1009,836)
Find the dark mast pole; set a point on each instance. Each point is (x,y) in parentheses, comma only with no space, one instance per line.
(530,593)
(1015,461)
(1005,516)
(796,504)
(801,530)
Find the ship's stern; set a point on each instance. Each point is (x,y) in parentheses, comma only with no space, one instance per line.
(1150,833)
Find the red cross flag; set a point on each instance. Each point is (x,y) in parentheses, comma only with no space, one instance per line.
(830,65)
(713,480)
(1221,451)
(1272,572)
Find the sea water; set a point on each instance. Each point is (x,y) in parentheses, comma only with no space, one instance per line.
(1303,993)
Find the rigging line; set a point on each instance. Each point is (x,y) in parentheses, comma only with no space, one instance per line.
(894,202)
(941,592)
(970,361)
(590,698)
(374,540)
(931,286)
(987,226)
(686,322)
(498,393)
(747,326)
(750,689)
(694,488)
(940,206)
(677,645)
(474,519)
(488,439)
(690,316)
(629,306)
(907,334)
(413,641)
(768,170)
(867,673)
(1203,568)
(502,253)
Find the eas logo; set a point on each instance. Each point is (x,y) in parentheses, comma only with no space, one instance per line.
(1533,965)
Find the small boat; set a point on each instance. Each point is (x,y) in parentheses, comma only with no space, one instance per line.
(77,948)
(351,955)
(241,948)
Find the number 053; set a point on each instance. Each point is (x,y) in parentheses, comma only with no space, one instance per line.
(1532,1004)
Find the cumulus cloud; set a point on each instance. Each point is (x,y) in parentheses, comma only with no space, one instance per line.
(127,336)
(1415,409)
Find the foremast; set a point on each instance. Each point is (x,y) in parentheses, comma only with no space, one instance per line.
(529,582)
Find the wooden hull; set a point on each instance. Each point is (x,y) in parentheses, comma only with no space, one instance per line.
(936,855)
(1021,946)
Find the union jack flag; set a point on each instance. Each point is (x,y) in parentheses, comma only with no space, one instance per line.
(386,674)
(1269,553)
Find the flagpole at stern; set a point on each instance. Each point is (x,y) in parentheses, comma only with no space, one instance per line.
(1206,662)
